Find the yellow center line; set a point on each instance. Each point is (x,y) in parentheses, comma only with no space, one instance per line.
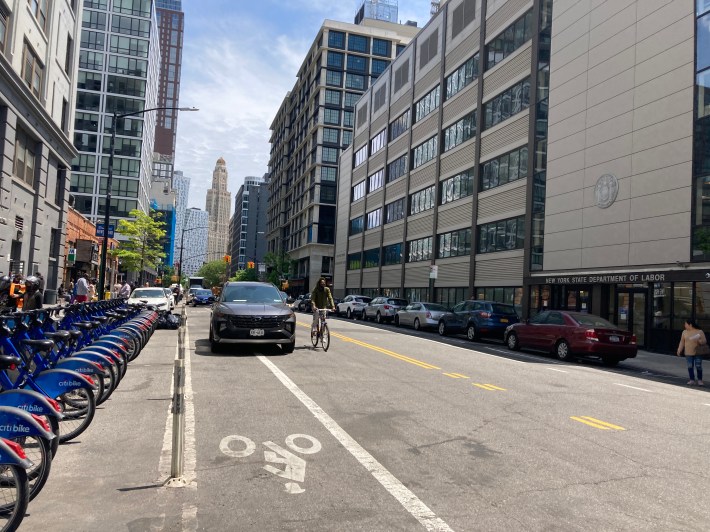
(603,423)
(483,386)
(495,387)
(457,375)
(452,375)
(600,427)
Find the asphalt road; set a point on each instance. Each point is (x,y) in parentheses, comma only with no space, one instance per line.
(388,430)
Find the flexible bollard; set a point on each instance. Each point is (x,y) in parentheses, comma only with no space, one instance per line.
(177,461)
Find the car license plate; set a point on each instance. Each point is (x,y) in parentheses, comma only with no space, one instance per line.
(504,320)
(613,338)
(256,332)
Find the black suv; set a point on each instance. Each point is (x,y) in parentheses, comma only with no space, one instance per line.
(249,313)
(478,319)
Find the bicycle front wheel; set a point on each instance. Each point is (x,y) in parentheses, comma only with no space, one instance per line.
(14,496)
(325,337)
(314,336)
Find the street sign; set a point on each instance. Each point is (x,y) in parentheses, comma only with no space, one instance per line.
(433,271)
(100,230)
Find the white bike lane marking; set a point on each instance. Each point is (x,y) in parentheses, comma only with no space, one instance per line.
(399,491)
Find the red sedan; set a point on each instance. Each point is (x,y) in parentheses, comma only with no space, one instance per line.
(570,334)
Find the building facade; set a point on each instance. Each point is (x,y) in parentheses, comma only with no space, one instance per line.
(248,225)
(38,60)
(181,186)
(313,124)
(82,250)
(218,205)
(171,21)
(548,154)
(163,201)
(119,66)
(194,237)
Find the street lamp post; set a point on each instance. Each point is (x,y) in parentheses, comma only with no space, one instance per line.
(109,185)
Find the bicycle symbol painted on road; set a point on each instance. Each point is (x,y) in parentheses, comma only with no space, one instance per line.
(295,466)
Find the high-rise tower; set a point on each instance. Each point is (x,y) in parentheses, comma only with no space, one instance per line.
(218,206)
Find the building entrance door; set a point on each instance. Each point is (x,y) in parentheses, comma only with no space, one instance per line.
(631,313)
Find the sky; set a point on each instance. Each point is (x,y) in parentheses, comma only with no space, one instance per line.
(240,58)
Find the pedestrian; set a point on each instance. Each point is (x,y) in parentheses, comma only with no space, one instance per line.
(61,293)
(91,295)
(17,291)
(125,290)
(116,290)
(82,289)
(32,300)
(691,342)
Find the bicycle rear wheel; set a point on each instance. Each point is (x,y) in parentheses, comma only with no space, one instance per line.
(325,337)
(78,408)
(14,496)
(314,336)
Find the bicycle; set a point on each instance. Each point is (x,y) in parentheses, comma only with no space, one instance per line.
(321,331)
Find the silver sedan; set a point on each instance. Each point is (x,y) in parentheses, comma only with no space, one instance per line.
(420,315)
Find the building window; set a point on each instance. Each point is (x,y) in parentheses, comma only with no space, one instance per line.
(359,190)
(128,46)
(392,254)
(84,163)
(127,66)
(32,70)
(331,116)
(456,187)
(331,136)
(419,250)
(360,156)
(401,48)
(397,168)
(381,47)
(91,60)
(358,43)
(374,218)
(335,60)
(357,225)
(357,63)
(25,148)
(425,152)
(354,261)
(372,258)
(68,55)
(347,138)
(510,39)
(332,97)
(140,8)
(463,15)
(399,125)
(330,155)
(427,104)
(394,211)
(333,78)
(512,295)
(460,78)
(351,99)
(40,9)
(508,103)
(4,24)
(336,39)
(355,81)
(378,67)
(376,180)
(423,200)
(378,142)
(362,115)
(93,40)
(348,118)
(401,76)
(503,235)
(131,26)
(93,20)
(454,244)
(505,169)
(460,132)
(429,49)
(379,98)
(448,297)
(82,183)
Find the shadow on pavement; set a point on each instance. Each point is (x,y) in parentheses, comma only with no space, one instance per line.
(202,348)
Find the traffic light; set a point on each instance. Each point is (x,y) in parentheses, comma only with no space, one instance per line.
(227,259)
(250,265)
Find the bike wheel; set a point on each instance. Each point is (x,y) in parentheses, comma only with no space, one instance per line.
(78,407)
(314,336)
(14,496)
(39,451)
(325,337)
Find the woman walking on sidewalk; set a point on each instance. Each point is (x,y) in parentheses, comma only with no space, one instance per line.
(690,341)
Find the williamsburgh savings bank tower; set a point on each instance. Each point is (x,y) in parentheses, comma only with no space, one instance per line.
(553,154)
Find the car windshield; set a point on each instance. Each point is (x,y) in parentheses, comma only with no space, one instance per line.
(504,309)
(434,306)
(204,292)
(251,294)
(398,302)
(148,292)
(589,320)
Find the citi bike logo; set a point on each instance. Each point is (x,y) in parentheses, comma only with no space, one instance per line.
(14,428)
(32,408)
(64,384)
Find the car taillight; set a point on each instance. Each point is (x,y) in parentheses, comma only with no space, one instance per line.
(591,334)
(485,315)
(42,422)
(386,307)
(16,448)
(633,339)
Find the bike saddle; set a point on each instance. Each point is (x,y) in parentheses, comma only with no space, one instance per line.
(39,345)
(101,319)
(9,362)
(75,335)
(59,335)
(87,325)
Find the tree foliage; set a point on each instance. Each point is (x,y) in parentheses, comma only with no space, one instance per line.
(249,274)
(214,272)
(143,245)
(279,267)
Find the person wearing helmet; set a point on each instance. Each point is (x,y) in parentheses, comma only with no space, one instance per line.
(5,303)
(33,295)
(17,291)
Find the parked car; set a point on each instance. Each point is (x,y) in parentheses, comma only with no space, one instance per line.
(352,305)
(383,309)
(420,315)
(190,295)
(150,296)
(570,334)
(203,297)
(478,318)
(171,297)
(304,305)
(249,313)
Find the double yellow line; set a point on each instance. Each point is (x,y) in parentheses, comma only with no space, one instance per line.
(596,423)
(489,387)
(387,352)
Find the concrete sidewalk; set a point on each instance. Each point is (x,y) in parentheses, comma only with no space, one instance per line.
(660,365)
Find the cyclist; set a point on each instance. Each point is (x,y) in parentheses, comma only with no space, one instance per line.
(320,298)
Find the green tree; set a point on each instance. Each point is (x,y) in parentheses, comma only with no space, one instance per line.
(279,266)
(249,274)
(214,272)
(143,245)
